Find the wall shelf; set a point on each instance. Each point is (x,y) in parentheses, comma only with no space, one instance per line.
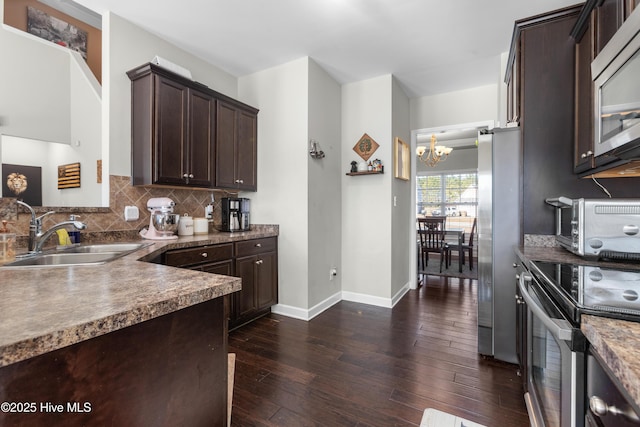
(364,173)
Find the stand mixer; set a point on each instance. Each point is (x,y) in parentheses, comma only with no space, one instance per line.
(163,222)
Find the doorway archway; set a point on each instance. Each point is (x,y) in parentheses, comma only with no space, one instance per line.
(459,135)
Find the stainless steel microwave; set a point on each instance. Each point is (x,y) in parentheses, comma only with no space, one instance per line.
(598,228)
(615,74)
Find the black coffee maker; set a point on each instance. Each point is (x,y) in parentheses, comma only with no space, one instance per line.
(235,214)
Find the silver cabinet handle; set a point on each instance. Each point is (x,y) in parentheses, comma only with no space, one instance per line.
(190,175)
(599,407)
(558,327)
(258,262)
(204,254)
(258,245)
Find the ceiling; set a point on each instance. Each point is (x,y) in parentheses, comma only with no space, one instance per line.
(430,46)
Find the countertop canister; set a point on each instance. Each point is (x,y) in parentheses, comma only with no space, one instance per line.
(200,226)
(185,226)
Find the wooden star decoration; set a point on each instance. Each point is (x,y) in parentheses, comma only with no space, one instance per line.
(365,147)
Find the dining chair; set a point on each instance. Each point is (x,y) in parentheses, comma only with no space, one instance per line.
(432,232)
(468,247)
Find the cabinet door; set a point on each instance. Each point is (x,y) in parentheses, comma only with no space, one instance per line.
(267,280)
(583,152)
(170,148)
(225,145)
(246,302)
(246,150)
(609,17)
(200,159)
(513,88)
(236,147)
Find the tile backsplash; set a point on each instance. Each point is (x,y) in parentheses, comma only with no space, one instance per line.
(111,219)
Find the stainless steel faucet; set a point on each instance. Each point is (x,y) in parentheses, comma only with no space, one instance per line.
(36,237)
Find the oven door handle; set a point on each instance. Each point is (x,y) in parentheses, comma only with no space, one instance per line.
(560,328)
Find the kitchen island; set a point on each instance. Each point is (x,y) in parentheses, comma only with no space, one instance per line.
(124,343)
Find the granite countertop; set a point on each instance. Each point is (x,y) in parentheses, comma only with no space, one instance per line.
(47,308)
(618,344)
(559,254)
(616,341)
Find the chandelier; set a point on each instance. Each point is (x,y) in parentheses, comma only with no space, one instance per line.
(435,153)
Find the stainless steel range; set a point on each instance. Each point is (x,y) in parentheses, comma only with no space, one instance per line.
(587,289)
(552,299)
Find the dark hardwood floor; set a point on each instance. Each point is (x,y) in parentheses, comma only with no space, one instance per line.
(360,365)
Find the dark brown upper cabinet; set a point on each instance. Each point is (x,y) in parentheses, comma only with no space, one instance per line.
(583,122)
(175,123)
(598,22)
(237,144)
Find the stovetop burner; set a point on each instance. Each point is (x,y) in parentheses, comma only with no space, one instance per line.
(589,289)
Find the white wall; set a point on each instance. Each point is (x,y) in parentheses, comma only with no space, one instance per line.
(366,212)
(324,181)
(86,138)
(34,87)
(400,202)
(465,106)
(125,47)
(281,94)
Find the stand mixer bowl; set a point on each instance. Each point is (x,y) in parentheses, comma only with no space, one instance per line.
(165,223)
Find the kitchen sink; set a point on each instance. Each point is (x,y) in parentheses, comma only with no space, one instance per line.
(93,254)
(108,247)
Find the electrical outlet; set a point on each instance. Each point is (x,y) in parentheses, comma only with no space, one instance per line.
(333,272)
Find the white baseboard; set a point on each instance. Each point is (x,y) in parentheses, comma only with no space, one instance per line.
(304,314)
(308,314)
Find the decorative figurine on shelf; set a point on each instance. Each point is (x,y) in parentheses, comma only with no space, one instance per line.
(377,165)
(354,166)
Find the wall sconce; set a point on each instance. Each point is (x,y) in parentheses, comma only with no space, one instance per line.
(313,150)
(435,153)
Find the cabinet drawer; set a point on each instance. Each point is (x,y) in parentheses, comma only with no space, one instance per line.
(255,246)
(205,254)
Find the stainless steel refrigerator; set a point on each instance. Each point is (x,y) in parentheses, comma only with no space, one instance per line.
(499,213)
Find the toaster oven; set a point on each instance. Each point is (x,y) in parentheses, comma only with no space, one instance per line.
(598,228)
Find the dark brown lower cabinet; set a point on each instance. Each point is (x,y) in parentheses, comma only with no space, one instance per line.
(255,261)
(259,288)
(167,371)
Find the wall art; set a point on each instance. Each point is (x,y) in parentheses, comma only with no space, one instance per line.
(23,183)
(365,147)
(55,30)
(69,176)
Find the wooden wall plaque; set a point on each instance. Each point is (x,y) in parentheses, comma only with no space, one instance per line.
(69,176)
